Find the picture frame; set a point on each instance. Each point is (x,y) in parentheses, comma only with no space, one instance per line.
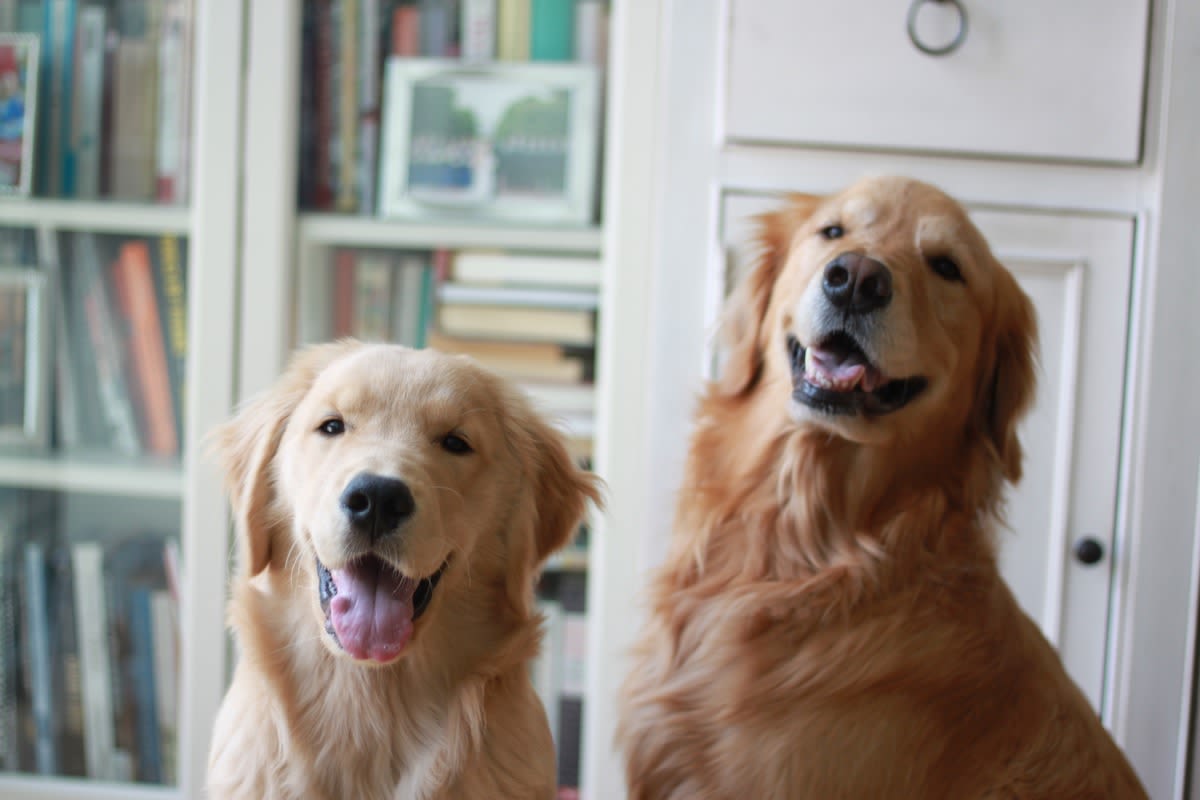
(499,142)
(24,357)
(18,111)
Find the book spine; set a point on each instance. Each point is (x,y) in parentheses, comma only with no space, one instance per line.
(141,632)
(572,593)
(344,266)
(513,30)
(552,30)
(134,121)
(64,33)
(591,32)
(37,622)
(68,679)
(134,281)
(165,637)
(87,561)
(89,100)
(348,106)
(369,66)
(172,49)
(406,31)
(170,288)
(9,643)
(478,26)
(106,352)
(324,63)
(437,28)
(373,295)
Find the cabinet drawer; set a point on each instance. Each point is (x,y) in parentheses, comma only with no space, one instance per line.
(1053,80)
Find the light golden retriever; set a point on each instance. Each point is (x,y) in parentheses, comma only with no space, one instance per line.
(392,507)
(831,622)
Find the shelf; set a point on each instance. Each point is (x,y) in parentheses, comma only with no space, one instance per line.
(98,216)
(35,787)
(363,231)
(92,474)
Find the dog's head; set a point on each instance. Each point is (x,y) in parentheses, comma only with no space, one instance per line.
(885,315)
(380,478)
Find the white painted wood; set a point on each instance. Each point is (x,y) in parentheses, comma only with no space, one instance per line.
(99,476)
(37,788)
(361,231)
(99,217)
(1149,687)
(269,185)
(632,215)
(846,73)
(212,289)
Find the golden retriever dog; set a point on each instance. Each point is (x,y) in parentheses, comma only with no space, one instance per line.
(392,508)
(830,621)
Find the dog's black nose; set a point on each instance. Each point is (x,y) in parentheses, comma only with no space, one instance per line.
(857,284)
(376,505)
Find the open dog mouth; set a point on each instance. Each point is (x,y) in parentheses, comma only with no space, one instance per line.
(836,377)
(371,607)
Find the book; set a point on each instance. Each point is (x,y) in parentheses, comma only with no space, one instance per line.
(478,30)
(546,671)
(40,660)
(518,361)
(483,266)
(370,66)
(527,296)
(348,106)
(133,279)
(165,638)
(411,301)
(88,114)
(564,326)
(134,121)
(572,594)
(142,679)
(9,644)
(552,30)
(68,678)
(437,28)
(591,32)
(344,265)
(87,559)
(174,101)
(102,349)
(513,30)
(406,31)
(373,297)
(170,294)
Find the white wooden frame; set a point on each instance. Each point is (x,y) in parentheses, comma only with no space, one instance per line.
(672,109)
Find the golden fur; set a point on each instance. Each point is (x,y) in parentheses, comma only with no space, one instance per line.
(455,715)
(830,622)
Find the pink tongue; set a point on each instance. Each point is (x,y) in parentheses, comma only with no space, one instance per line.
(372,610)
(835,372)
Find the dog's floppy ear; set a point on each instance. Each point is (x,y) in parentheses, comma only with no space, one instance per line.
(246,447)
(746,310)
(1010,383)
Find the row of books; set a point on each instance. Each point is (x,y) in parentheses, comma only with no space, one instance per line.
(114,96)
(345,44)
(121,344)
(530,318)
(88,661)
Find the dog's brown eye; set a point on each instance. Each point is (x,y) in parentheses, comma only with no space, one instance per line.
(453,443)
(946,267)
(332,427)
(833,232)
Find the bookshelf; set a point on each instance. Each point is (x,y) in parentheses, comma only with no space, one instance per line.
(113,527)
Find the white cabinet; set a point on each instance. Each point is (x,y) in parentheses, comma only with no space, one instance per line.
(1048,80)
(1077,271)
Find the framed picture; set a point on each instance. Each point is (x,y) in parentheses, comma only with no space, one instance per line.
(496,142)
(18,104)
(24,365)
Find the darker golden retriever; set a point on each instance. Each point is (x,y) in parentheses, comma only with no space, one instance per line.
(831,622)
(393,506)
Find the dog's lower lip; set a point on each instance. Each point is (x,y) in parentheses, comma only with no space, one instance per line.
(892,396)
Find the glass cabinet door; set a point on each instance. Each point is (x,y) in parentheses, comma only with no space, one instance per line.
(94,232)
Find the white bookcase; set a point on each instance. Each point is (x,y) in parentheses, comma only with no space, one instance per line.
(99,495)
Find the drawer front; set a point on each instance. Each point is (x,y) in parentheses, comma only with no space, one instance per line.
(1049,80)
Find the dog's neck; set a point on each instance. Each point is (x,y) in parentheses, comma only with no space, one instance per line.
(804,500)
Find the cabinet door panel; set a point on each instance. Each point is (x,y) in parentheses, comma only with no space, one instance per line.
(1076,269)
(1046,80)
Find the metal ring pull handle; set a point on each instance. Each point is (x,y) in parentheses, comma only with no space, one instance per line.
(941,50)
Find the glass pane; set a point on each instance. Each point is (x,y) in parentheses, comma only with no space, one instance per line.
(92,349)
(95,99)
(89,621)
